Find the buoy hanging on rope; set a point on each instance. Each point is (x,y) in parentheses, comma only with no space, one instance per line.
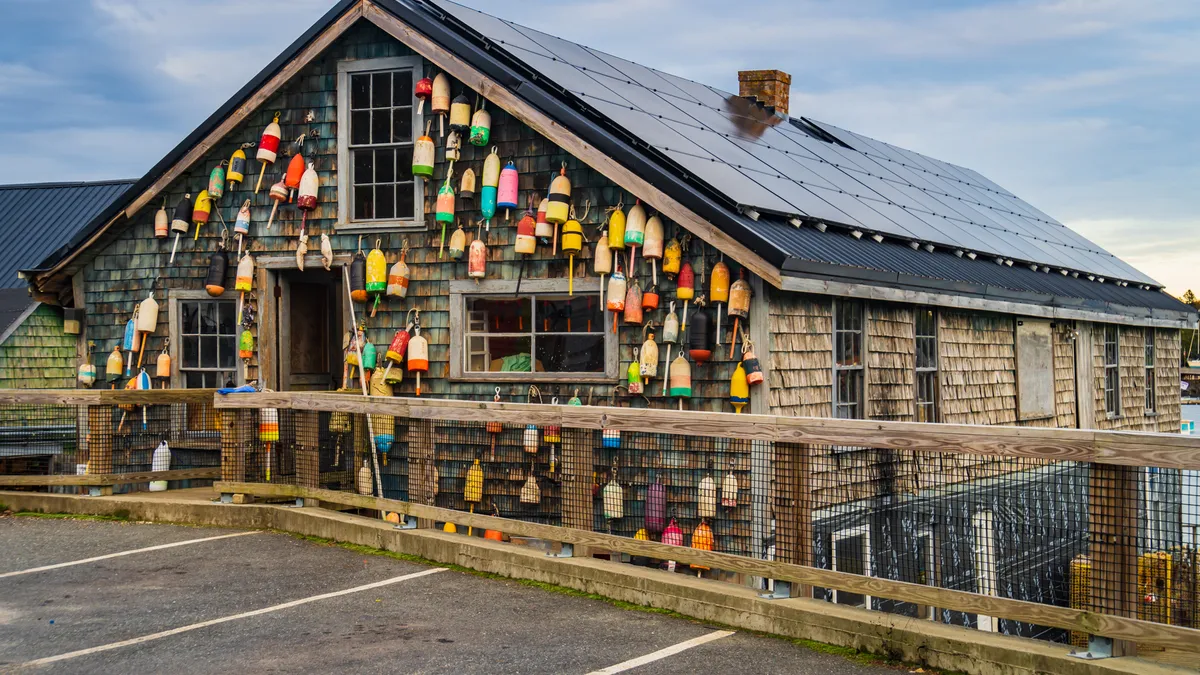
(700,337)
(491,183)
(398,276)
(310,185)
(237,167)
(418,353)
(278,194)
(458,244)
(243,281)
(652,245)
(633,304)
(268,149)
(216,183)
(685,290)
(672,258)
(423,90)
(616,228)
(295,171)
(648,362)
(481,126)
(181,221)
(635,232)
(162,368)
(376,276)
(506,196)
(739,305)
(650,298)
(680,376)
(739,390)
(87,369)
(602,261)
(572,245)
(530,492)
(633,375)
(201,212)
(395,352)
(702,540)
(114,366)
(614,498)
(754,372)
(477,259)
(670,336)
(466,187)
(129,342)
(729,488)
(162,222)
(543,229)
(440,101)
(453,147)
(218,266)
(358,277)
(526,242)
(444,211)
(616,294)
(558,206)
(706,497)
(460,114)
(656,506)
(424,154)
(473,489)
(718,291)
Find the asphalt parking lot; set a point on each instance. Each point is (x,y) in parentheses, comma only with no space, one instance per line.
(82,596)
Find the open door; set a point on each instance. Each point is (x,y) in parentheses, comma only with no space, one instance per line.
(309,319)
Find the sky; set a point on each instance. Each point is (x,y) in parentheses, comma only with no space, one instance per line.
(1084,108)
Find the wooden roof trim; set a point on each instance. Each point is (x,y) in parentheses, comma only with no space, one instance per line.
(198,151)
(535,119)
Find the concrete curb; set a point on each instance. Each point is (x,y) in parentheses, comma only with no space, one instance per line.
(910,640)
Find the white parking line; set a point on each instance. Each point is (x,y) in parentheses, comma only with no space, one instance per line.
(123,553)
(663,653)
(234,617)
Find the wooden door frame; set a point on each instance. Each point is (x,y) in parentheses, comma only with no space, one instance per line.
(269,333)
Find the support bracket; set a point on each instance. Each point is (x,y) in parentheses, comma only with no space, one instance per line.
(783,591)
(409,523)
(568,551)
(1098,648)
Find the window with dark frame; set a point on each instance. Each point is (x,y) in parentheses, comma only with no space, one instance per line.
(550,334)
(848,358)
(1112,370)
(208,350)
(1151,394)
(927,365)
(381,119)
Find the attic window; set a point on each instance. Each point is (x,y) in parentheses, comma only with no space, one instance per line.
(377,124)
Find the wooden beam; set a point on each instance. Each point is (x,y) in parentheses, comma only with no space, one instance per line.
(963,601)
(111,478)
(537,120)
(848,289)
(104,396)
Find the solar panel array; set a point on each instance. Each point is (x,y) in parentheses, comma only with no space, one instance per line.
(762,161)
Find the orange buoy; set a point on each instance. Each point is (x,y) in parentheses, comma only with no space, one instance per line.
(418,353)
(398,276)
(739,305)
(295,171)
(718,290)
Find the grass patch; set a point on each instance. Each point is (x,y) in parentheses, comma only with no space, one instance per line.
(118,516)
(848,653)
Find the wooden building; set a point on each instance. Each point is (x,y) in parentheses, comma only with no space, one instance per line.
(885,284)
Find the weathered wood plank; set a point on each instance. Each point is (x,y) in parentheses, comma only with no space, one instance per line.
(112,478)
(1047,615)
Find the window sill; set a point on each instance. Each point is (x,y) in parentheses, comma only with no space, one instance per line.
(535,378)
(381,226)
(1150,413)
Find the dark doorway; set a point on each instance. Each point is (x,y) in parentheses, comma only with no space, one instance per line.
(309,323)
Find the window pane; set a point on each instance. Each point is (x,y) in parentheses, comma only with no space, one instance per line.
(850,554)
(569,314)
(381,90)
(402,125)
(194,380)
(208,352)
(385,201)
(227,347)
(364,202)
(360,91)
(505,355)
(499,315)
(571,353)
(189,312)
(191,352)
(208,318)
(404,200)
(364,167)
(360,127)
(228,312)
(404,164)
(477,354)
(402,87)
(385,165)
(381,126)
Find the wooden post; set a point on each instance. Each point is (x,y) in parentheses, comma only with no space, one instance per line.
(234,425)
(577,467)
(421,465)
(1112,544)
(793,507)
(308,470)
(100,439)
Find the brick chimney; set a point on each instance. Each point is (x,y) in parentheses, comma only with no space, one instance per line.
(771,88)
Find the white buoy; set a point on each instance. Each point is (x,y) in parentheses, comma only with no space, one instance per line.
(161,461)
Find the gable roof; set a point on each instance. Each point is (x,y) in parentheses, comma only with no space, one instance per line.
(40,218)
(744,176)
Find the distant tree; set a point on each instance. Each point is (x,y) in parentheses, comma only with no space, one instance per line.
(1189,297)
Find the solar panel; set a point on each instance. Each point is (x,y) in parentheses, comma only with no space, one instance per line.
(762,161)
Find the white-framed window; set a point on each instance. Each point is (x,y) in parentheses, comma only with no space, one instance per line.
(1112,370)
(848,318)
(377,126)
(925,326)
(540,333)
(984,551)
(851,552)
(1151,394)
(204,340)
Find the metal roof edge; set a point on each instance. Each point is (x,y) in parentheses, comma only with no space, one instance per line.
(49,185)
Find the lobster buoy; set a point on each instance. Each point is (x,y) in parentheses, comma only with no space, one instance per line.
(398,277)
(729,490)
(481,127)
(633,376)
(526,241)
(162,367)
(572,245)
(633,304)
(650,298)
(672,258)
(652,245)
(363,481)
(544,230)
(245,274)
(237,168)
(201,211)
(656,507)
(616,294)
(477,259)
(383,426)
(216,182)
(295,171)
(754,371)
(616,229)
(423,90)
(440,101)
(706,502)
(610,438)
(160,461)
(559,199)
(418,356)
(241,226)
(529,439)
(181,221)
(473,490)
(87,369)
(278,194)
(246,344)
(115,365)
(739,305)
(466,188)
(672,535)
(218,266)
(268,149)
(602,261)
(147,315)
(614,499)
(444,211)
(702,540)
(700,338)
(358,277)
(670,336)
(685,290)
(162,222)
(458,244)
(370,356)
(718,290)
(460,114)
(680,376)
(739,391)
(635,231)
(453,147)
(396,351)
(424,153)
(491,182)
(530,492)
(509,185)
(648,363)
(377,277)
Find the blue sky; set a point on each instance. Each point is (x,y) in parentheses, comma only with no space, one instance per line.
(1085,108)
